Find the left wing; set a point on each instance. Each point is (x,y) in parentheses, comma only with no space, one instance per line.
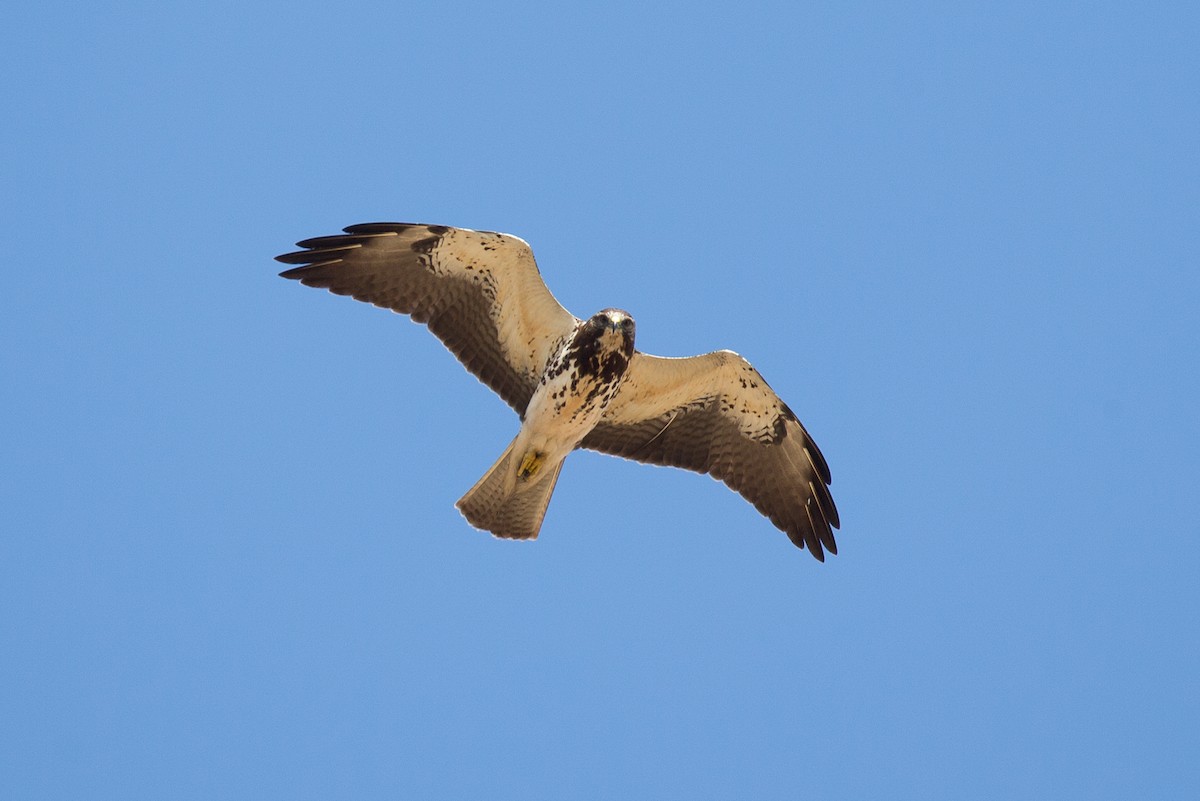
(479,291)
(715,414)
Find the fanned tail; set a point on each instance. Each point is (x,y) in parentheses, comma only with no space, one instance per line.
(507,506)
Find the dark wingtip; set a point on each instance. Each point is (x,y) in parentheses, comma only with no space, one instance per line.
(310,268)
(817,553)
(381,227)
(295,274)
(807,540)
(309,274)
(295,257)
(818,458)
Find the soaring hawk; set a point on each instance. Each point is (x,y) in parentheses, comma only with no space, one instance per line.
(576,383)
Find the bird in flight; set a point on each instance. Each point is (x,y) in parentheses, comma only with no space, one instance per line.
(576,383)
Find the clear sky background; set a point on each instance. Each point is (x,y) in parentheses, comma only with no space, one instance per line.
(962,240)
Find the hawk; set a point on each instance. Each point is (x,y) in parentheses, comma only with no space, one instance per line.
(576,383)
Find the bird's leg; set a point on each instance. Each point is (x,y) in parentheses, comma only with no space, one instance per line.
(531,462)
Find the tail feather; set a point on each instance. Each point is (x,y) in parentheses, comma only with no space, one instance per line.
(505,505)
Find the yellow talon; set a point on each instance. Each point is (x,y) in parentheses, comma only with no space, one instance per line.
(530,464)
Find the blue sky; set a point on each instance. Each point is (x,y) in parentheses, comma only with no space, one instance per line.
(961,240)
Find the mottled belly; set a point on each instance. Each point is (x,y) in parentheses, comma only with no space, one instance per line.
(569,406)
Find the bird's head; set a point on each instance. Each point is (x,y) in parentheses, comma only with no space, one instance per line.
(615,328)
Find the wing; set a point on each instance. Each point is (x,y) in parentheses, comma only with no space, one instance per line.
(479,292)
(715,414)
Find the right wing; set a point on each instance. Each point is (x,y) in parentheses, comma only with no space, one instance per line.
(715,414)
